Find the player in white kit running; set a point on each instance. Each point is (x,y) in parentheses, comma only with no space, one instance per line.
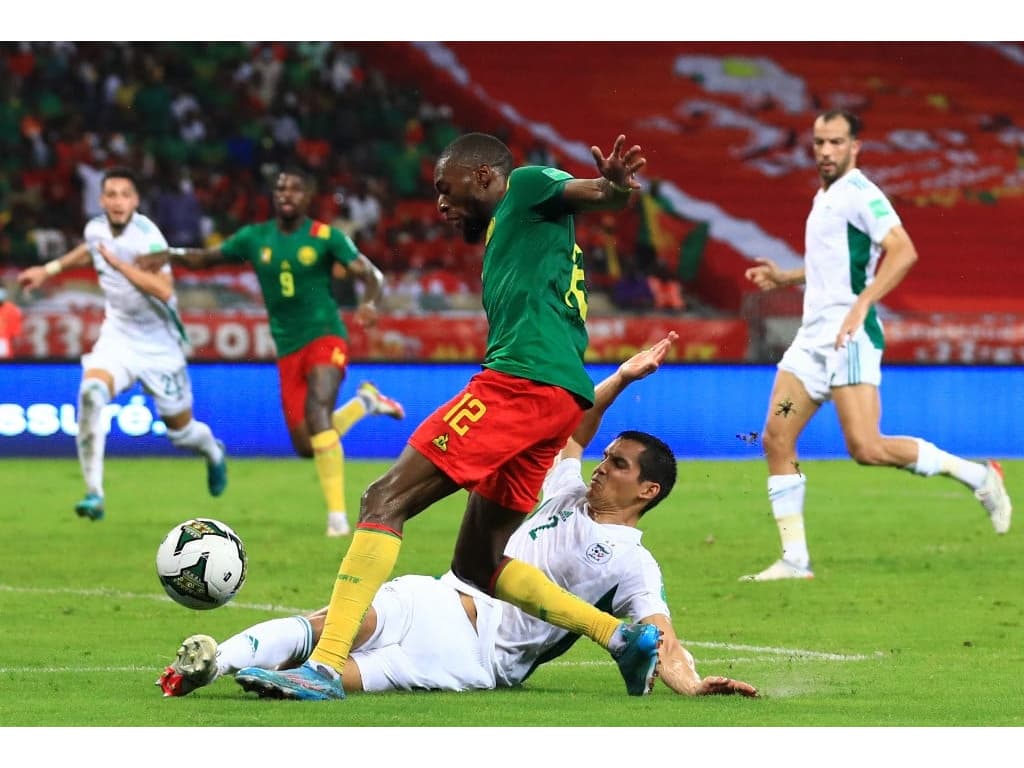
(442,634)
(837,352)
(142,338)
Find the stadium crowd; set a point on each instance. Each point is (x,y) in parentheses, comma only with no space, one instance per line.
(205,125)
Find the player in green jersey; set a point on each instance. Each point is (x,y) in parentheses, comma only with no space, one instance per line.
(293,257)
(498,437)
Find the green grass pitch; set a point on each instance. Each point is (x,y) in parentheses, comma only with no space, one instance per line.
(914,618)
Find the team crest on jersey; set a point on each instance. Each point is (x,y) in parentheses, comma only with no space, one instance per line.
(441,442)
(599,553)
(307,255)
(265,254)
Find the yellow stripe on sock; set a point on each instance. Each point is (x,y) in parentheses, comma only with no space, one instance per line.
(345,417)
(368,563)
(330,468)
(529,589)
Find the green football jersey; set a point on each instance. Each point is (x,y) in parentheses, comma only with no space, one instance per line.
(294,270)
(534,292)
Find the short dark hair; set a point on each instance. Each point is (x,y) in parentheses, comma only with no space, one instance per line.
(851,119)
(657,464)
(119,172)
(299,172)
(474,149)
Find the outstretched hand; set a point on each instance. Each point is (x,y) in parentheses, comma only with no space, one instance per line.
(766,275)
(725,686)
(620,166)
(366,314)
(31,278)
(646,362)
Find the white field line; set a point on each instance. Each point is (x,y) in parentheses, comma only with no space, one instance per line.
(784,654)
(286,609)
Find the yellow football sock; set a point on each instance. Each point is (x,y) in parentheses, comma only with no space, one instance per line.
(330,468)
(345,417)
(369,561)
(527,588)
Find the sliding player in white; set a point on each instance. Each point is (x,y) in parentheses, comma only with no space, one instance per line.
(426,633)
(141,338)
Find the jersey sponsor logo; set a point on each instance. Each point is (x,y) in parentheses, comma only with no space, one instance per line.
(441,442)
(556,174)
(307,255)
(599,553)
(265,254)
(879,207)
(338,358)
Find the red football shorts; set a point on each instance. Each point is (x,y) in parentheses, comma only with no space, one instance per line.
(499,436)
(293,368)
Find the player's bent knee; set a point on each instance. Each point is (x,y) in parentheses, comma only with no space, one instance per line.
(868,455)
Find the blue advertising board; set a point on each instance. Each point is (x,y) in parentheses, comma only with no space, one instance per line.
(701,411)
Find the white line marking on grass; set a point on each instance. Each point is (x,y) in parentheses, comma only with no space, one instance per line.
(789,653)
(62,670)
(100,592)
(794,652)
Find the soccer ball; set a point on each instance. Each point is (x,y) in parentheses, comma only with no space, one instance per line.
(201,563)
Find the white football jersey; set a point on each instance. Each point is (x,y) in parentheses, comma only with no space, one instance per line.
(131,313)
(842,246)
(605,565)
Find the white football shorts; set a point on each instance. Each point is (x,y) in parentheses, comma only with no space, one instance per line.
(161,369)
(820,367)
(424,640)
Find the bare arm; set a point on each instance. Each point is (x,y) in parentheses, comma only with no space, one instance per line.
(191,258)
(900,256)
(637,367)
(155,283)
(33,277)
(372,279)
(678,671)
(767,275)
(611,190)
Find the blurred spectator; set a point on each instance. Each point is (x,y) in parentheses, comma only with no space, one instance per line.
(179,216)
(666,289)
(364,209)
(92,181)
(10,325)
(632,291)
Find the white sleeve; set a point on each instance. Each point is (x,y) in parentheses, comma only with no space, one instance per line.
(93,236)
(873,213)
(564,478)
(641,589)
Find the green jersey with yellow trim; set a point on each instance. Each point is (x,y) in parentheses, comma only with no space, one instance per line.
(534,292)
(294,271)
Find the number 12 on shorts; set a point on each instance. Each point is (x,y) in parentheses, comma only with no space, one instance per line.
(468,408)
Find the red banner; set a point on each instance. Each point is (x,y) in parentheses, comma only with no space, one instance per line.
(966,339)
(246,336)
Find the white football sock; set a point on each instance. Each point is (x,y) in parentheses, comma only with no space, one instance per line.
(274,644)
(196,437)
(786,494)
(932,460)
(91,440)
